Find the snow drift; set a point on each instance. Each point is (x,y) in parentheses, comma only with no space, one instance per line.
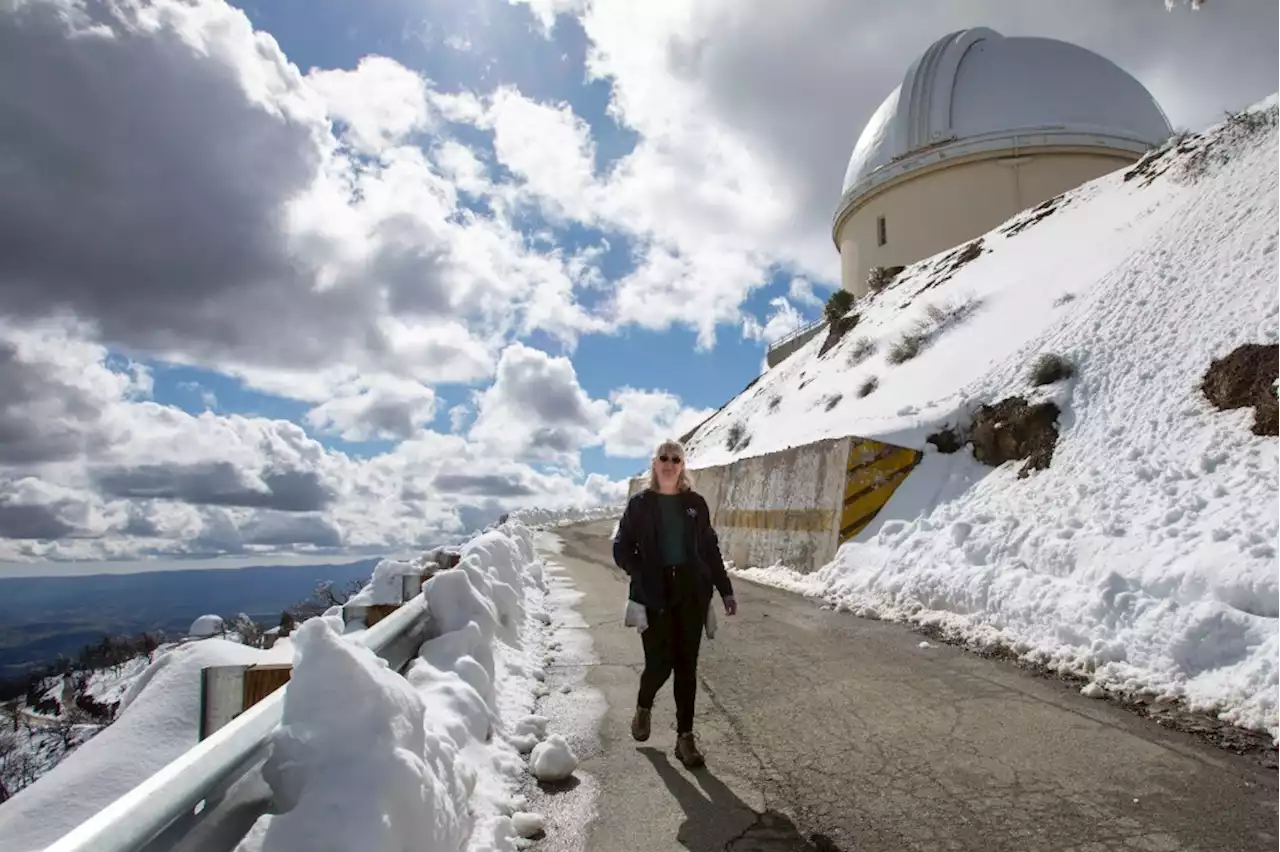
(367,759)
(1144,557)
(550,518)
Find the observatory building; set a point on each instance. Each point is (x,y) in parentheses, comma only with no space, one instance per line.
(983,127)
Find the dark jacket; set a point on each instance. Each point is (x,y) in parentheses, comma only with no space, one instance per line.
(637,549)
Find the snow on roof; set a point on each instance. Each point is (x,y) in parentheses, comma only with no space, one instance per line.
(977,83)
(206,625)
(1146,552)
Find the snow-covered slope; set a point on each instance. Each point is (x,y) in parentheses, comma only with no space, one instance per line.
(158,721)
(1145,556)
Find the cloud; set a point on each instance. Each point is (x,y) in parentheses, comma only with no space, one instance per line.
(384,408)
(49,413)
(380,102)
(142,479)
(783,320)
(535,410)
(32,521)
(801,292)
(228,211)
(489,484)
(217,483)
(643,418)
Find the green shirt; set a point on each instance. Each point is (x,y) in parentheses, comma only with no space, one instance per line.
(672,529)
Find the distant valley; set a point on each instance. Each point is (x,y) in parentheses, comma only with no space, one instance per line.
(41,617)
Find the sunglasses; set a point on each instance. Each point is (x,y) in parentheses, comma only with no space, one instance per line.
(672,459)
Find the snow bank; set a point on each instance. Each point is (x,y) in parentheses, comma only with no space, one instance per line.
(158,722)
(371,760)
(1145,556)
(353,765)
(386,585)
(542,518)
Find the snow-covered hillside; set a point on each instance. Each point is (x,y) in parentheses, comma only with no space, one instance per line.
(1145,556)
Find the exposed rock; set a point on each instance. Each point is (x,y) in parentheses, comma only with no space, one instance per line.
(1041,211)
(948,440)
(1011,430)
(1246,378)
(837,330)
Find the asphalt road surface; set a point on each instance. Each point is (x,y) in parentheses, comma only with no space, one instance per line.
(824,731)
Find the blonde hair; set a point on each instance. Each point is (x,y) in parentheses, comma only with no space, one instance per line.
(685,482)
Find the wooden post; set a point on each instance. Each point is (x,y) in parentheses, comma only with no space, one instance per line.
(377,612)
(262,680)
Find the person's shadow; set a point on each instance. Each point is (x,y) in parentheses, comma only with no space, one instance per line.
(717,820)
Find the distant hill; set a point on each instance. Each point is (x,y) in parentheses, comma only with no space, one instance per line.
(41,617)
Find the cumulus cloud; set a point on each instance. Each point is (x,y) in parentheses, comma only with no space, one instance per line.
(643,418)
(536,409)
(227,210)
(782,320)
(123,477)
(383,407)
(380,102)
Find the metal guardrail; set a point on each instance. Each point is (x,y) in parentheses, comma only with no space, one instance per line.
(208,790)
(799,332)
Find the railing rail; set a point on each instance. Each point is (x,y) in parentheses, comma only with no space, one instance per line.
(799,332)
(158,813)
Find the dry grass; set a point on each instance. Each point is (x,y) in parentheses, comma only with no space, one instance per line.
(905,347)
(737,437)
(1050,368)
(862,349)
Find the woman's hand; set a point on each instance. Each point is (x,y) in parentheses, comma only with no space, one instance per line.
(730,606)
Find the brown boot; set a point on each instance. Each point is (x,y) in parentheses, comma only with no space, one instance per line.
(687,751)
(640,724)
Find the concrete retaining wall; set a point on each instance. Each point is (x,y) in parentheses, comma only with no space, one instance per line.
(797,506)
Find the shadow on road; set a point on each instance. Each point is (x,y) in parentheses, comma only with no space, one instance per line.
(714,814)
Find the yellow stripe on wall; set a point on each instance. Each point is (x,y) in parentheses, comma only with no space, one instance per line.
(791,520)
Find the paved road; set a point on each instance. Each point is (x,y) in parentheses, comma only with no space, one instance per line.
(825,731)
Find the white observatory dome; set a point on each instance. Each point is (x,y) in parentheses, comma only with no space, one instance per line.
(976,90)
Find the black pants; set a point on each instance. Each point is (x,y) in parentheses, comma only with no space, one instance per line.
(671,644)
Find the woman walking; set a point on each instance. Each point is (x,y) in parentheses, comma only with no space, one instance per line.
(668,548)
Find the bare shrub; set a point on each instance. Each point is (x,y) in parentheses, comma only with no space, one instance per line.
(862,349)
(905,347)
(868,385)
(737,437)
(774,402)
(1063,299)
(1050,368)
(833,400)
(880,277)
(1218,149)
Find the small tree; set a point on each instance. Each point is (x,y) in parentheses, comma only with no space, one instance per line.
(250,631)
(837,306)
